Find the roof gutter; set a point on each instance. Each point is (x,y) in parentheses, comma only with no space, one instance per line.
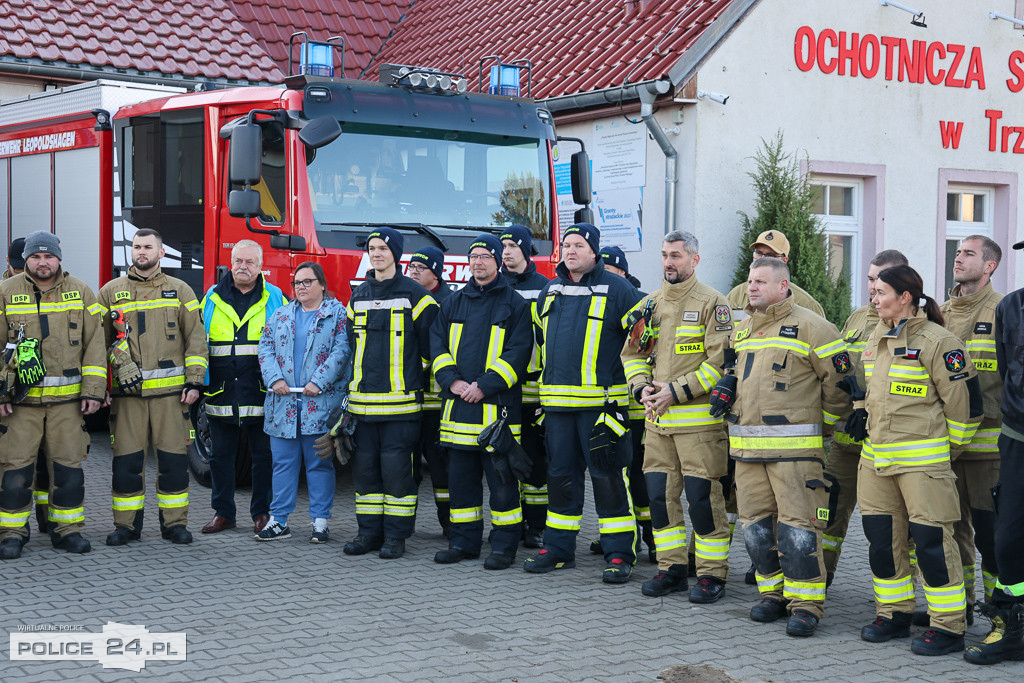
(600,98)
(76,74)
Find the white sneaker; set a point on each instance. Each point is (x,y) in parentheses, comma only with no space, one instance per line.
(320,533)
(273,531)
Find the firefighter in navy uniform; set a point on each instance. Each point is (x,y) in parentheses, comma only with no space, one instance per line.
(844,456)
(55,374)
(481,344)
(159,358)
(922,399)
(520,270)
(788,362)
(389,332)
(426,267)
(582,316)
(970,314)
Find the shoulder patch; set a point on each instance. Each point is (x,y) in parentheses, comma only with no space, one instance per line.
(912,354)
(691,316)
(72,296)
(851,334)
(722,314)
(169,293)
(961,375)
(954,360)
(742,334)
(722,328)
(982,328)
(790,331)
(118,296)
(21,299)
(841,361)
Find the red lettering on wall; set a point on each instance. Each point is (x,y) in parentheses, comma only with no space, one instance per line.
(1018,147)
(993,116)
(803,48)
(890,43)
(935,77)
(912,61)
(827,66)
(975,70)
(869,69)
(1016,64)
(958,53)
(848,53)
(950,131)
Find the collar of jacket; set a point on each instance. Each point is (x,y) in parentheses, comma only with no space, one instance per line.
(57,281)
(906,326)
(591,277)
(383,284)
(226,287)
(133,274)
(776,311)
(320,312)
(676,291)
(965,303)
(515,277)
(474,290)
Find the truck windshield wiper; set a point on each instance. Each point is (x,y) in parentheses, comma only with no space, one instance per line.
(418,227)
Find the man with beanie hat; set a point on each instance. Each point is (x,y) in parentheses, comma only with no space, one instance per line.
(15,258)
(426,267)
(581,316)
(521,272)
(481,344)
(389,332)
(52,325)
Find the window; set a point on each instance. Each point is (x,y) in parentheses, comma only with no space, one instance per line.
(837,202)
(968,212)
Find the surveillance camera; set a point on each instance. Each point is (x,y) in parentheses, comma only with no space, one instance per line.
(721,98)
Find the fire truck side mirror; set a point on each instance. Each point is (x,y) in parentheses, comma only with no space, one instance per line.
(319,132)
(584,215)
(579,171)
(288,242)
(246,155)
(244,203)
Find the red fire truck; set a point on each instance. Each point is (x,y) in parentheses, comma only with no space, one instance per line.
(307,170)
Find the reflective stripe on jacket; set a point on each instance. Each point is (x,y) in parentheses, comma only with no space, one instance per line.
(529,283)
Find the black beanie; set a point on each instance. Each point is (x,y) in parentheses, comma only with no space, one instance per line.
(588,232)
(432,258)
(391,237)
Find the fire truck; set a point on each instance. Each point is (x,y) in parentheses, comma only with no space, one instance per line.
(306,169)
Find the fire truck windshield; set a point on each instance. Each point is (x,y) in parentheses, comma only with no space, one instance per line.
(451,181)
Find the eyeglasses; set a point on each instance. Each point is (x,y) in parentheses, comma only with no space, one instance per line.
(418,268)
(305,284)
(479,257)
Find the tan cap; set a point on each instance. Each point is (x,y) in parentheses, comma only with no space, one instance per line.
(774,240)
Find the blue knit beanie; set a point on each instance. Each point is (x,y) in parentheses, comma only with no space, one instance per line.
(588,232)
(613,256)
(490,243)
(521,235)
(391,237)
(432,258)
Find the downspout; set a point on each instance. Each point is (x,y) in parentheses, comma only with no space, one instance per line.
(647,98)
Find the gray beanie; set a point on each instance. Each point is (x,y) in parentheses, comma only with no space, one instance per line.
(41,241)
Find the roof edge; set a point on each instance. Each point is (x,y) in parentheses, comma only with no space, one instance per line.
(37,67)
(707,43)
(614,95)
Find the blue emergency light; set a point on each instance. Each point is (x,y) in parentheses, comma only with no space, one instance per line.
(317,59)
(504,81)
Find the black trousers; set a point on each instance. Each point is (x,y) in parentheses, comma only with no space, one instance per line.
(383,477)
(1009,494)
(224,436)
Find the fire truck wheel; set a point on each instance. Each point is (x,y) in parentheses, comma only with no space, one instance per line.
(200,449)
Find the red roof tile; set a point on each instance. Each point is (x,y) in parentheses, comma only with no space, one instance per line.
(575,45)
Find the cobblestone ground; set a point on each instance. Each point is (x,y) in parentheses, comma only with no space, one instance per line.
(289,610)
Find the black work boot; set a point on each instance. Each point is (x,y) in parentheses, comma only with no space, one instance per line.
(768,610)
(360,545)
(801,624)
(1004,642)
(121,535)
(884,629)
(72,543)
(665,582)
(10,548)
(533,538)
(392,549)
(937,641)
(545,561)
(177,534)
(708,590)
(453,555)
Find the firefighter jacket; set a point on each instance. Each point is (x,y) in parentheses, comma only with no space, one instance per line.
(234,385)
(8,274)
(692,323)
(529,283)
(788,363)
(922,396)
(1010,360)
(483,335)
(972,318)
(389,333)
(166,338)
(432,398)
(66,319)
(582,327)
(739,299)
(855,333)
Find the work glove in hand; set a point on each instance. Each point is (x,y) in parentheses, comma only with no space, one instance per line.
(337,441)
(849,385)
(610,426)
(723,396)
(129,378)
(31,368)
(857,424)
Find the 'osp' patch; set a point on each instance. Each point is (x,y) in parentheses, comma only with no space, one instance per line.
(841,361)
(954,360)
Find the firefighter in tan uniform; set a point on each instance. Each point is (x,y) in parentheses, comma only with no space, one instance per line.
(54,373)
(971,315)
(157,374)
(786,366)
(686,448)
(843,457)
(922,398)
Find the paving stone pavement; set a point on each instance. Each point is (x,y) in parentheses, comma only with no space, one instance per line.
(289,610)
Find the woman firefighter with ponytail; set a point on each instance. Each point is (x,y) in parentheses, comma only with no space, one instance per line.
(922,401)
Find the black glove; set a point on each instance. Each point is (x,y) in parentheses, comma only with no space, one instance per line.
(610,426)
(857,424)
(849,385)
(728,358)
(520,463)
(723,396)
(497,439)
(501,467)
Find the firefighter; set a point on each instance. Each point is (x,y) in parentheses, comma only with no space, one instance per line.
(1006,607)
(843,457)
(481,343)
(615,262)
(158,347)
(788,361)
(970,314)
(686,448)
(53,374)
(426,267)
(389,332)
(922,397)
(520,270)
(581,316)
(235,310)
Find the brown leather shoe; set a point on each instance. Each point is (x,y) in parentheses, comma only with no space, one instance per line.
(260,522)
(218,523)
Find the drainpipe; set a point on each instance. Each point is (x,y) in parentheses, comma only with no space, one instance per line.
(647,98)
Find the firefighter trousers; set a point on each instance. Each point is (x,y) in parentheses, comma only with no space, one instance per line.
(1009,534)
(567,437)
(841,464)
(433,453)
(692,463)
(466,469)
(382,475)
(136,424)
(923,505)
(534,490)
(787,556)
(976,527)
(60,431)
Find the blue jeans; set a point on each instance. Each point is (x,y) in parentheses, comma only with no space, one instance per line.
(289,455)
